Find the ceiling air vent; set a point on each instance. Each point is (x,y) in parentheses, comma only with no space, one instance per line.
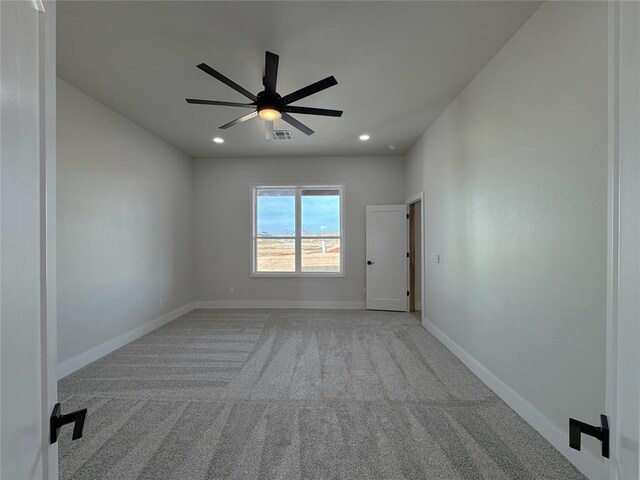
(282,135)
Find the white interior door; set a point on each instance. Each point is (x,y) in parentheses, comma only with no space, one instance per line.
(27,382)
(387,257)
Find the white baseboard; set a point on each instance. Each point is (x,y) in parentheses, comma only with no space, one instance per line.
(85,358)
(76,363)
(590,466)
(284,304)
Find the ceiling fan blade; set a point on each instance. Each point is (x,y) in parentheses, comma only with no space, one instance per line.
(243,118)
(295,123)
(313,111)
(268,130)
(217,75)
(270,71)
(310,90)
(215,102)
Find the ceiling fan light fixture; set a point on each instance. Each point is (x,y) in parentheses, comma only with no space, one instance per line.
(268,104)
(269,114)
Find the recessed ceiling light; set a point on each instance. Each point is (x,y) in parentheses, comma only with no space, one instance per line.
(218,140)
(364,137)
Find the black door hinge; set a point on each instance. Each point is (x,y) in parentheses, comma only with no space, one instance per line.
(408,293)
(57,421)
(407,254)
(576,428)
(407,215)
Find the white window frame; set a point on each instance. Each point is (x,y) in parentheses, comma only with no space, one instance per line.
(298,226)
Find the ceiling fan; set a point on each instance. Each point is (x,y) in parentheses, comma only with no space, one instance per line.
(268,104)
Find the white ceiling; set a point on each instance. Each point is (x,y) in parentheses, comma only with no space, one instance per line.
(398,64)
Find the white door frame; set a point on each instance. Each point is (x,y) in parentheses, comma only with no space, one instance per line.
(48,246)
(623,255)
(41,59)
(419,197)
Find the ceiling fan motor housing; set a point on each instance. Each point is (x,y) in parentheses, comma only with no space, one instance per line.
(270,100)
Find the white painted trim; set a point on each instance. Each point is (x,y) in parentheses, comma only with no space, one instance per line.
(76,363)
(611,352)
(48,194)
(300,274)
(284,304)
(592,467)
(298,187)
(623,272)
(38,5)
(414,198)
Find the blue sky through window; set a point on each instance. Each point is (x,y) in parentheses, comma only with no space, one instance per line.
(276,214)
(321,215)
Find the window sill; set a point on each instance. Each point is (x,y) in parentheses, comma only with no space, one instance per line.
(298,275)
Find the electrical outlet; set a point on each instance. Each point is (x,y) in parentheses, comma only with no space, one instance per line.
(435,257)
(231,291)
(160,302)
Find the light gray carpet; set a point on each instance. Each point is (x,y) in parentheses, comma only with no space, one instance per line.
(295,394)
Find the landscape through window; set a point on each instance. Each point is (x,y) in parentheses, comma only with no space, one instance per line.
(297,230)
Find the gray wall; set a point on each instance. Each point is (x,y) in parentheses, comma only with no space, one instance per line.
(414,169)
(124,224)
(223,223)
(515,177)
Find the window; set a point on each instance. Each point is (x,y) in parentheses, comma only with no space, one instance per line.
(297,231)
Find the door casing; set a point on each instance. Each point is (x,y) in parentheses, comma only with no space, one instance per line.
(27,217)
(623,256)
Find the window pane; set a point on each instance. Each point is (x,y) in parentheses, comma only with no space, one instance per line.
(275,255)
(276,212)
(320,255)
(320,212)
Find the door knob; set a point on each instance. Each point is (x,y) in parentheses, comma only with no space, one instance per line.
(369,262)
(57,421)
